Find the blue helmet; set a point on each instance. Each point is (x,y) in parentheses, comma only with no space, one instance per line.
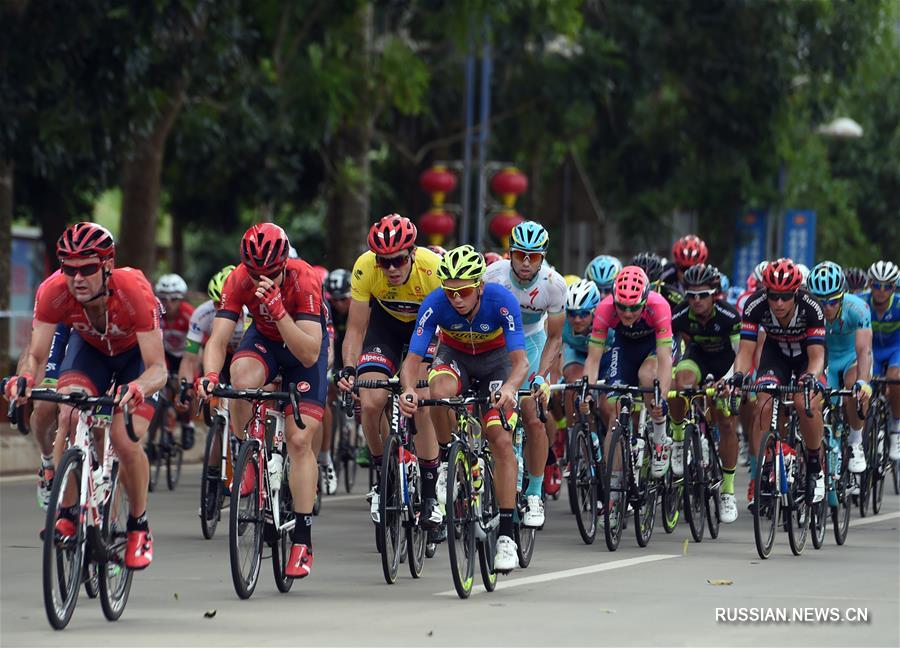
(603,270)
(825,279)
(724,282)
(582,295)
(529,237)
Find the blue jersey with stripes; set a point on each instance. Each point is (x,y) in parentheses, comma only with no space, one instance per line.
(840,333)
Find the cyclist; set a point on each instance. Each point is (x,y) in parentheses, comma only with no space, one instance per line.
(602,270)
(848,345)
(287,338)
(641,351)
(856,280)
(170,290)
(541,293)
(794,347)
(885,304)
(711,327)
(437,249)
(687,251)
(491,257)
(116,342)
(652,265)
(388,285)
(337,292)
(480,332)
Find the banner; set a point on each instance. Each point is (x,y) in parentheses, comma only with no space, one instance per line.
(799,242)
(750,243)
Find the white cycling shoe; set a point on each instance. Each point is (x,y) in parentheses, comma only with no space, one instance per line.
(505,558)
(857,463)
(894,452)
(440,488)
(728,508)
(330,479)
(661,454)
(677,458)
(534,512)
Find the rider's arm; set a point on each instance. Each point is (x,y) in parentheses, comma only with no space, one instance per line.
(217,346)
(743,362)
(188,369)
(155,372)
(864,354)
(815,354)
(553,346)
(519,371)
(664,367)
(303,338)
(409,371)
(357,321)
(34,361)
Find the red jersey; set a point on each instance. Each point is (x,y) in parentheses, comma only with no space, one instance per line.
(131,308)
(175,332)
(301,293)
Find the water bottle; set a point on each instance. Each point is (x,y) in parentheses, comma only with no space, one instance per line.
(101,486)
(704,450)
(595,444)
(276,468)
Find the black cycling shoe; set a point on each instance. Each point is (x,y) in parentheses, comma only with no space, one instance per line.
(438,535)
(431,517)
(187,437)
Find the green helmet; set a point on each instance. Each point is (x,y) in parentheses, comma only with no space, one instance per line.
(463,262)
(214,289)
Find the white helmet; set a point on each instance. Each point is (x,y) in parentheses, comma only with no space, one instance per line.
(884,272)
(582,295)
(292,253)
(758,270)
(171,285)
(804,274)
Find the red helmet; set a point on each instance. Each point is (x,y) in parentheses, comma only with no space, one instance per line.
(688,251)
(782,275)
(631,286)
(492,257)
(83,240)
(264,248)
(391,234)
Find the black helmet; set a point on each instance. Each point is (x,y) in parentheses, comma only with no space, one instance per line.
(701,275)
(337,284)
(856,279)
(651,263)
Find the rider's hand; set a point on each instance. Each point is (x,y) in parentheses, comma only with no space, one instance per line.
(734,383)
(346,378)
(270,295)
(184,405)
(131,394)
(12,388)
(205,385)
(409,402)
(658,410)
(864,391)
(505,398)
(540,388)
(807,381)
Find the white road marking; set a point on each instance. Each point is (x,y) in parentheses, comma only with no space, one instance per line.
(873,520)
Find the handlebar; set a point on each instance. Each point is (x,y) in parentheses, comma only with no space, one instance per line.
(291,396)
(782,390)
(542,415)
(393,385)
(184,390)
(81,401)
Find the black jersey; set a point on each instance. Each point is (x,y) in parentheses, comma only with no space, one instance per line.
(717,335)
(806,325)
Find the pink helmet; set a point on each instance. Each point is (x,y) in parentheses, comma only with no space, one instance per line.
(631,286)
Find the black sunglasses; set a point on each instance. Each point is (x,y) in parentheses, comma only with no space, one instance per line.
(392,262)
(85,270)
(780,296)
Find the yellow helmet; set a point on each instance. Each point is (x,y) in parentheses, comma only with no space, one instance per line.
(214,288)
(571,279)
(463,262)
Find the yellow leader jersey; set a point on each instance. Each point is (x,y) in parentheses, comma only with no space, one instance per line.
(369,282)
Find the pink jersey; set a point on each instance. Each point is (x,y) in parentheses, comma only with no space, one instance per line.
(655,319)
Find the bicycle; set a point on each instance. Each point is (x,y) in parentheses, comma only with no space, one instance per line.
(261,503)
(472,510)
(165,449)
(780,481)
(524,536)
(345,439)
(99,512)
(217,469)
(400,501)
(878,461)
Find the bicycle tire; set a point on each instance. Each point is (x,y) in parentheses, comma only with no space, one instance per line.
(115,578)
(525,537)
(867,476)
(797,512)
(881,465)
(174,460)
(320,488)
(840,514)
(617,505)
(645,509)
(671,496)
(694,487)
(389,505)
(490,526)
(416,535)
(246,514)
(210,508)
(63,560)
(895,476)
(460,521)
(155,448)
(348,453)
(584,474)
(572,479)
(766,498)
(713,479)
(281,544)
(818,521)
(91,580)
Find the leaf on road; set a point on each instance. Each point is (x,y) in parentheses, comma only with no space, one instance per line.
(720,581)
(684,547)
(605,611)
(209,614)
(176,596)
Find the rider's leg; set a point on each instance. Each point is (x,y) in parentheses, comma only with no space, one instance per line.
(247,372)
(536,446)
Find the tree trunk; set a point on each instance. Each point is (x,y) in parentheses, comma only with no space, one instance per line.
(177,252)
(6,208)
(141,181)
(348,213)
(52,214)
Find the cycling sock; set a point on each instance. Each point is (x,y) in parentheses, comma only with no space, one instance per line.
(677,430)
(535,483)
(429,468)
(659,431)
(506,522)
(812,461)
(376,461)
(302,531)
(728,481)
(444,451)
(138,523)
(855,436)
(753,467)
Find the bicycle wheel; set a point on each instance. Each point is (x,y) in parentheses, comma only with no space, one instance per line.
(281,540)
(174,459)
(645,507)
(713,480)
(766,498)
(348,452)
(818,515)
(572,477)
(489,528)
(246,518)
(91,578)
(615,485)
(155,446)
(694,486)
(320,488)
(880,467)
(797,512)
(63,556)
(416,535)
(672,495)
(583,476)
(460,521)
(390,503)
(524,536)
(211,494)
(895,476)
(115,578)
(840,514)
(867,477)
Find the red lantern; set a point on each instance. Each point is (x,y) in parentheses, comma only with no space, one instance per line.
(438,182)
(436,224)
(502,225)
(509,184)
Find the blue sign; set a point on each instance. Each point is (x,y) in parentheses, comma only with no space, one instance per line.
(799,241)
(750,243)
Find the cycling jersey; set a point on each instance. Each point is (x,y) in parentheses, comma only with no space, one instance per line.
(301,294)
(497,323)
(806,325)
(719,334)
(840,333)
(672,293)
(886,327)
(369,283)
(175,331)
(576,341)
(544,294)
(131,308)
(656,319)
(200,329)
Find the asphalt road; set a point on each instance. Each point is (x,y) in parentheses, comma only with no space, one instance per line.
(573,594)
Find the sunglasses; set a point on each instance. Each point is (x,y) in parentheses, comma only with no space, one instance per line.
(882,286)
(699,294)
(85,270)
(461,292)
(780,296)
(831,301)
(629,309)
(392,262)
(582,313)
(534,258)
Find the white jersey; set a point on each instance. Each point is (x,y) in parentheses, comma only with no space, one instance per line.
(201,324)
(543,295)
